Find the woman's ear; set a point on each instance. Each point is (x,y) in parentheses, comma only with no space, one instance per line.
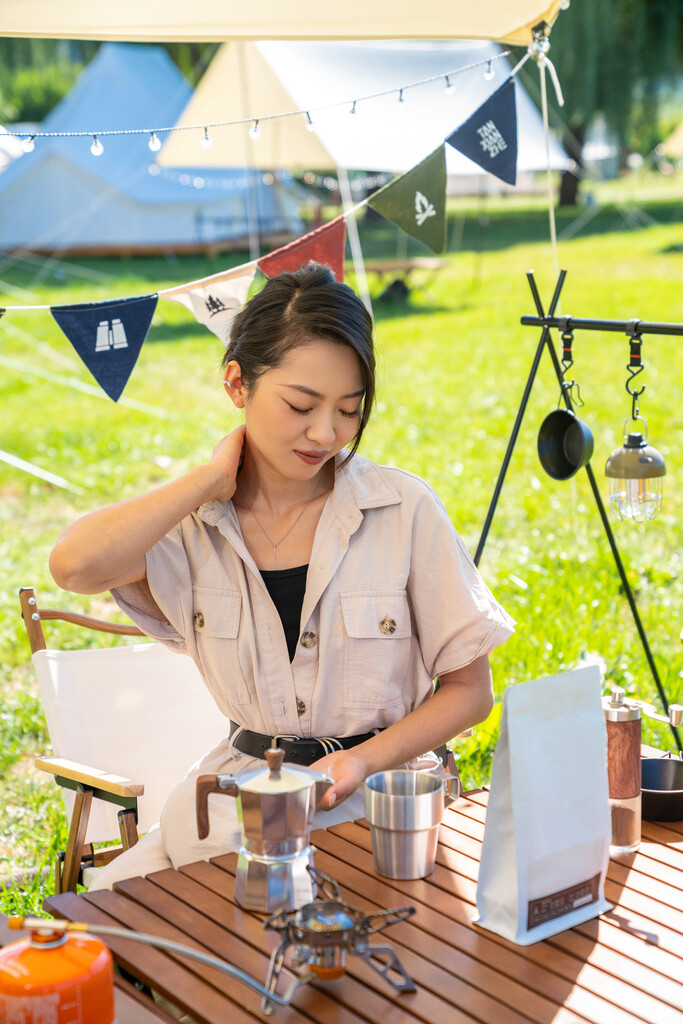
(232,382)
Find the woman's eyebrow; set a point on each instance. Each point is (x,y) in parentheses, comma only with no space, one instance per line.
(316,394)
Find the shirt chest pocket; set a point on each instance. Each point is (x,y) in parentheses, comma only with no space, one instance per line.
(377,644)
(216,621)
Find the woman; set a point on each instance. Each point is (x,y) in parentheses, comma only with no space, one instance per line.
(318,593)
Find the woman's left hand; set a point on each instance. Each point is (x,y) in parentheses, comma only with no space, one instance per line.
(348,769)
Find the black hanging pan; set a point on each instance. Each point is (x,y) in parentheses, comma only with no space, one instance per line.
(565,444)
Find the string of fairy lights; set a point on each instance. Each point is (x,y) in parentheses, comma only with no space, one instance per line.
(29,138)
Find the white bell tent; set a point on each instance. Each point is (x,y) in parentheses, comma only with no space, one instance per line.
(61,198)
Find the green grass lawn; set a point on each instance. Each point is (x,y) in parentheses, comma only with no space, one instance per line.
(452,367)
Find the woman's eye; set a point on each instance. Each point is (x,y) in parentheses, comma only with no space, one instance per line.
(294,408)
(351,415)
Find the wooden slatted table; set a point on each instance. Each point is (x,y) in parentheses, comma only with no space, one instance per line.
(622,968)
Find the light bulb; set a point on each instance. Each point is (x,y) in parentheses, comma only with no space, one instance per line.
(97,148)
(29,144)
(310,127)
(255,131)
(353,108)
(154,142)
(564,5)
(449,85)
(639,500)
(400,96)
(489,73)
(206,139)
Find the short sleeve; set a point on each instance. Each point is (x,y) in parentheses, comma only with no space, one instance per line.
(170,588)
(457,618)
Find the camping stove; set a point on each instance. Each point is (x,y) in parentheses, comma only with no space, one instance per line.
(320,934)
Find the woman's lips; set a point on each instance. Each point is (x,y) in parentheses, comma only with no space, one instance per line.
(312,458)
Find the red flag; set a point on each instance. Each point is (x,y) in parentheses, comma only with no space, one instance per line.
(324,245)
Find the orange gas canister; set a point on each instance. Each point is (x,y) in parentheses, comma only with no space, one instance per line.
(55,978)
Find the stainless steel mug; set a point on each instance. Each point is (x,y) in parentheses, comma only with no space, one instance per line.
(404,809)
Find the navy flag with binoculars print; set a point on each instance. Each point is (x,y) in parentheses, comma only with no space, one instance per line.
(108,336)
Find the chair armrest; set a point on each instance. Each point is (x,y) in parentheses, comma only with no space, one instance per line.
(118,785)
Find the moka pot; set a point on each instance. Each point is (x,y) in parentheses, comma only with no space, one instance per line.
(275,806)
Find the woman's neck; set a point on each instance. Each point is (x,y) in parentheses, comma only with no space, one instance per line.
(267,490)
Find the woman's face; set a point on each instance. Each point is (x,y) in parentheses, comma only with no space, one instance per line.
(300,414)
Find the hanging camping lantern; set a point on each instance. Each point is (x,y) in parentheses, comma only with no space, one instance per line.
(636,470)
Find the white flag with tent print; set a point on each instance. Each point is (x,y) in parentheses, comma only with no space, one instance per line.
(215,300)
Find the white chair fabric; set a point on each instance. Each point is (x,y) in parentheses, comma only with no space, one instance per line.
(139,711)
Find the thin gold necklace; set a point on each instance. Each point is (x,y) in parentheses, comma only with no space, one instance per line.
(262,527)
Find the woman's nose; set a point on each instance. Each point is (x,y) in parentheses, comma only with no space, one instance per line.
(321,430)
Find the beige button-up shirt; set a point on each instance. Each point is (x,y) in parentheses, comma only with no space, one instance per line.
(392,600)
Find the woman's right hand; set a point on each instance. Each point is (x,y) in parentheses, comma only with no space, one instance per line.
(226,460)
(107,548)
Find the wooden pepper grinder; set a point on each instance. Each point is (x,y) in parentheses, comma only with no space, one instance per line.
(624,724)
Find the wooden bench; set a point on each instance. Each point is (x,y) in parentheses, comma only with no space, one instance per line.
(401,272)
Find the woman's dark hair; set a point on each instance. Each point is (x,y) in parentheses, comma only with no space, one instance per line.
(293,309)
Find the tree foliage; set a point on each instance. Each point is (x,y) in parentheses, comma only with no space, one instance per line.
(614,59)
(613,56)
(36,73)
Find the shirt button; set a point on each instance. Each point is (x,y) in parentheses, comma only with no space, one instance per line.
(300,706)
(198,619)
(308,639)
(388,626)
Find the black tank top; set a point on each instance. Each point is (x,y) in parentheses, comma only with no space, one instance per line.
(287,588)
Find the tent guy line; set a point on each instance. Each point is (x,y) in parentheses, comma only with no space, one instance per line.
(30,137)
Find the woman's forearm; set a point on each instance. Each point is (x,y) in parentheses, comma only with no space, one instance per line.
(108,547)
(463,699)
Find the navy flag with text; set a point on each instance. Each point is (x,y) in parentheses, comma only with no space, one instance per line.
(489,136)
(108,336)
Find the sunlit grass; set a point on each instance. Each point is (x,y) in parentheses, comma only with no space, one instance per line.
(452,368)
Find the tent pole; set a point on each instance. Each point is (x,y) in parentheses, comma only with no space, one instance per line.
(354,239)
(549,179)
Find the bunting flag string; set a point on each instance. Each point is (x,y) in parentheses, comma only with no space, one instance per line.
(109,335)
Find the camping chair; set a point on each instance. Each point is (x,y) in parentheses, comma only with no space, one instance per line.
(125,724)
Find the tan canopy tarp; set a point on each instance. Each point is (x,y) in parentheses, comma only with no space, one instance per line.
(507,21)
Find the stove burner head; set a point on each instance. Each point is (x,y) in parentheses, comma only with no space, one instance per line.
(327,918)
(321,932)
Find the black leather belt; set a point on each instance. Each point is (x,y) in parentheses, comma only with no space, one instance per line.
(298,751)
